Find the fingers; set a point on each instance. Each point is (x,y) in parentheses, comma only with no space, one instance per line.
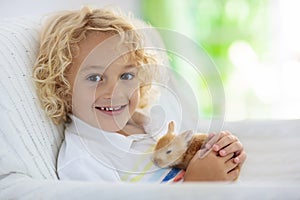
(233,174)
(230,164)
(212,138)
(231,168)
(225,138)
(240,159)
(235,147)
(228,144)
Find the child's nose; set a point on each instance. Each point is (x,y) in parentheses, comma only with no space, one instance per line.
(108,89)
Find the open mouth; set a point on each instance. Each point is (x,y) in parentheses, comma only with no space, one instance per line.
(111,110)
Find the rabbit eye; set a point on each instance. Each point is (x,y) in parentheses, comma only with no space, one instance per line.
(169,151)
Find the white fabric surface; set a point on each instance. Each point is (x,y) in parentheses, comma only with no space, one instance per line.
(29,143)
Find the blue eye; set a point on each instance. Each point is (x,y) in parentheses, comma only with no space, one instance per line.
(95,78)
(127,76)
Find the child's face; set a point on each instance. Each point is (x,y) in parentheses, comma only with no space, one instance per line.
(105,84)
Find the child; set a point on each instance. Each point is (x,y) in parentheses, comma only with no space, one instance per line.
(93,75)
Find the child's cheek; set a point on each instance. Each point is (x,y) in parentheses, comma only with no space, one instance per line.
(134,98)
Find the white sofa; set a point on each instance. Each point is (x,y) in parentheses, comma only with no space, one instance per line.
(29,143)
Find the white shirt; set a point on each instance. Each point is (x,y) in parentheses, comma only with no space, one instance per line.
(89,153)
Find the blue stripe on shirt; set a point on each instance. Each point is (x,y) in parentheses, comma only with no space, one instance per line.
(171,175)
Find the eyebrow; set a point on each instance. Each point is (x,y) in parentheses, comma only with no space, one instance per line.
(91,67)
(99,67)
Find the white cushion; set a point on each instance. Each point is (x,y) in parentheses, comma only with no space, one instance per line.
(29,141)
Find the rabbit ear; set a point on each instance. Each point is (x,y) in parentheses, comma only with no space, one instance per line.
(171,127)
(187,135)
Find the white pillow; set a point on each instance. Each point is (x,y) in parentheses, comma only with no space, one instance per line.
(29,141)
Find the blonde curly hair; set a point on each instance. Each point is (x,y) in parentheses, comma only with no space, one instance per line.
(59,44)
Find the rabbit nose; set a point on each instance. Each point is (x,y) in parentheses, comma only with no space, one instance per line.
(156,161)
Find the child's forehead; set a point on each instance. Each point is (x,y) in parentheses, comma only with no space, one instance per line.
(106,49)
(92,40)
(109,40)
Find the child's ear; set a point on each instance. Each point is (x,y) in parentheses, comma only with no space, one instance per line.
(187,135)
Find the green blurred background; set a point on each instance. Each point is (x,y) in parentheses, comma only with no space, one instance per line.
(217,26)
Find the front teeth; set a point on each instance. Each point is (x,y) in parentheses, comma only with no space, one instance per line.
(110,108)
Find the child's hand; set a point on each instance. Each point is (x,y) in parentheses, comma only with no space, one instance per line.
(212,168)
(228,144)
